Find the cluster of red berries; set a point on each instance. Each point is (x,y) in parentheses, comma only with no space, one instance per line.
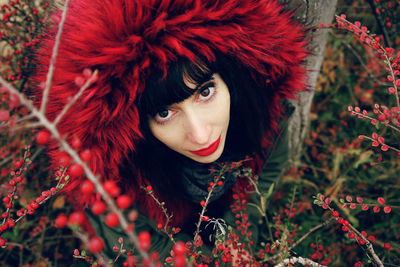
(23,23)
(348,202)
(321,200)
(361,32)
(324,255)
(388,11)
(386,115)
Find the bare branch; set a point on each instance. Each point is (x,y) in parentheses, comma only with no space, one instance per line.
(76,97)
(303,261)
(53,59)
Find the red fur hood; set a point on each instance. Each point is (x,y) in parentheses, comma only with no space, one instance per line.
(125,39)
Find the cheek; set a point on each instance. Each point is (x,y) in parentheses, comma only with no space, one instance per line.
(165,135)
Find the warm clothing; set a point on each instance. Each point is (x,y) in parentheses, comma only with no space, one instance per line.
(126,39)
(275,163)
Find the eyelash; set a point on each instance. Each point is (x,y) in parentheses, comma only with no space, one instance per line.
(209,98)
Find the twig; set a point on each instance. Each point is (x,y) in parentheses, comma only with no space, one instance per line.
(380,24)
(74,155)
(303,261)
(54,54)
(75,98)
(5,161)
(369,246)
(357,55)
(101,256)
(299,240)
(165,211)
(384,53)
(370,118)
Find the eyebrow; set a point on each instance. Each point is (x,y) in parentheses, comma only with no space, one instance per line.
(204,80)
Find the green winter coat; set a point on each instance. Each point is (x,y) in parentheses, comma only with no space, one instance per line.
(275,163)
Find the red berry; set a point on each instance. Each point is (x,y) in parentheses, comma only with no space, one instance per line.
(96,244)
(34,204)
(335,213)
(132,216)
(4,115)
(2,241)
(387,246)
(202,203)
(111,219)
(159,226)
(87,187)
(87,72)
(75,170)
(76,143)
(86,155)
(77,217)
(124,201)
(76,252)
(98,207)
(11,222)
(79,81)
(18,164)
(179,248)
(144,240)
(179,261)
(351,235)
(64,159)
(111,188)
(42,137)
(387,209)
(61,221)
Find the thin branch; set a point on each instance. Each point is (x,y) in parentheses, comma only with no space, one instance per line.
(50,73)
(380,23)
(5,161)
(299,240)
(303,261)
(74,155)
(100,256)
(369,246)
(76,97)
(357,55)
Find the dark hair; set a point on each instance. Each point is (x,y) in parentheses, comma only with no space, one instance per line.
(249,116)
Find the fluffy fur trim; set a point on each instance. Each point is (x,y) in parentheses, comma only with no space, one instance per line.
(125,39)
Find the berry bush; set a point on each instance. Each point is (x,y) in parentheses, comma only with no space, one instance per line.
(339,206)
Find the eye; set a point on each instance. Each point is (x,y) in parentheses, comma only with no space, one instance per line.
(163,115)
(207,91)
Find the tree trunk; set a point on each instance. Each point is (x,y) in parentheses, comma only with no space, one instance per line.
(309,13)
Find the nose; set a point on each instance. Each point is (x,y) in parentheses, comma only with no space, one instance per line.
(198,130)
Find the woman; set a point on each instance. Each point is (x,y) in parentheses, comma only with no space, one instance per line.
(183,86)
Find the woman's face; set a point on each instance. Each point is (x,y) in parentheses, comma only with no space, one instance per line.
(197,126)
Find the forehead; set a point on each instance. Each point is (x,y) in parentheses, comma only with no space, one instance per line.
(176,86)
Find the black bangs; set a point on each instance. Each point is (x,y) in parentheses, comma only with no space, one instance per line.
(160,92)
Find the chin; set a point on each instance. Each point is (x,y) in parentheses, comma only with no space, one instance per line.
(208,159)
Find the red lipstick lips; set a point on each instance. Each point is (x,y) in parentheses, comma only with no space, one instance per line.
(208,150)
